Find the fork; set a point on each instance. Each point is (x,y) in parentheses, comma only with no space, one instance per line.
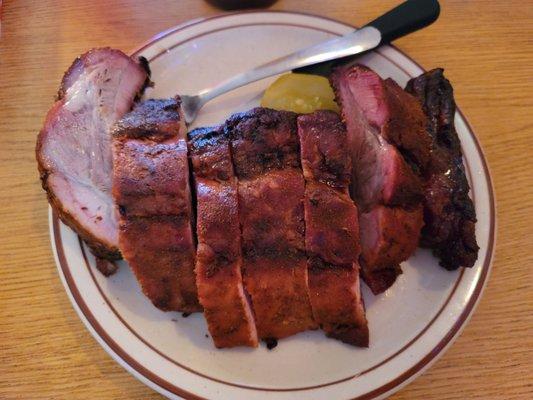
(408,17)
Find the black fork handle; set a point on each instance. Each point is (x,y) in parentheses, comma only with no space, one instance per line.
(402,20)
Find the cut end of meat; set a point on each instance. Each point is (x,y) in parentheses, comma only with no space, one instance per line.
(151,190)
(386,107)
(372,110)
(449,213)
(74,147)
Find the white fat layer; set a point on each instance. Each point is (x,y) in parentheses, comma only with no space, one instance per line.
(80,148)
(81,93)
(92,107)
(95,91)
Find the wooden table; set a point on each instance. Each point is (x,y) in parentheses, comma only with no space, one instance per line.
(487,49)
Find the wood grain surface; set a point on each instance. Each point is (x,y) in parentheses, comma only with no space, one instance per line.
(487,50)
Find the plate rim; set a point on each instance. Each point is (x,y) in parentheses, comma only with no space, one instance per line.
(166,388)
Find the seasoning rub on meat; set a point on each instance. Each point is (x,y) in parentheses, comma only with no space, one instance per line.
(264,145)
(219,258)
(331,229)
(151,190)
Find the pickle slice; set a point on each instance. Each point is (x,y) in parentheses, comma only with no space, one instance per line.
(300,93)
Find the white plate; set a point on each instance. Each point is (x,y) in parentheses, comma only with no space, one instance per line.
(411,324)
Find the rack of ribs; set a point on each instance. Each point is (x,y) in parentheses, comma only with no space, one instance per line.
(151,190)
(332,231)
(218,259)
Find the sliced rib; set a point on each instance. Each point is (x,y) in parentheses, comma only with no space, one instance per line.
(218,258)
(264,145)
(74,146)
(151,190)
(449,213)
(332,231)
(387,140)
(372,117)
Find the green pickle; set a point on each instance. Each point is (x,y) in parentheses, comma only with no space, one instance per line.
(301,93)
